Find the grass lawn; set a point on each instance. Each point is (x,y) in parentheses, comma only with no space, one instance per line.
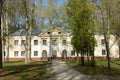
(100,69)
(17,70)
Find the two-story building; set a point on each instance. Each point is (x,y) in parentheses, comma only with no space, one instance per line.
(52,43)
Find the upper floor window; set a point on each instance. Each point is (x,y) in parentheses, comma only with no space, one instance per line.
(22,53)
(103,52)
(22,42)
(44,42)
(103,41)
(15,53)
(35,53)
(16,42)
(64,42)
(48,33)
(35,42)
(54,42)
(59,32)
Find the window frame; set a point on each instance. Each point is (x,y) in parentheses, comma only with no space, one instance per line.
(16,42)
(44,43)
(22,53)
(35,52)
(35,43)
(16,53)
(22,42)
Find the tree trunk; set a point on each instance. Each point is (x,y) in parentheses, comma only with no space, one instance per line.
(93,59)
(88,57)
(108,51)
(77,59)
(82,59)
(28,35)
(7,37)
(1,66)
(119,51)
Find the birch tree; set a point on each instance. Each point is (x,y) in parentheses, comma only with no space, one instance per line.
(1,5)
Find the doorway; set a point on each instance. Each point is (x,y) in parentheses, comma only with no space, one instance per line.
(54,54)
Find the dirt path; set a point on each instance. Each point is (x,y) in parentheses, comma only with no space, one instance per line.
(60,71)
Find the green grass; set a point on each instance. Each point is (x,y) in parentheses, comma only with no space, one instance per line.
(100,69)
(17,70)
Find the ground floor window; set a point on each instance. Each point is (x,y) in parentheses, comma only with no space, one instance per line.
(73,53)
(22,53)
(35,53)
(44,54)
(15,53)
(103,52)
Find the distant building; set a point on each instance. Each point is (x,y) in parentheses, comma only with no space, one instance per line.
(53,43)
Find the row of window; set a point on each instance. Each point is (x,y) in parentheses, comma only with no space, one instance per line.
(44,53)
(44,42)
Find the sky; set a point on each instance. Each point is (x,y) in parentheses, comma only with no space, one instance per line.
(59,2)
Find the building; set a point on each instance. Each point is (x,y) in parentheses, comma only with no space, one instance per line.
(53,43)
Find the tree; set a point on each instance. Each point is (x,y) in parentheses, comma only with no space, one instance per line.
(115,20)
(80,20)
(104,8)
(1,67)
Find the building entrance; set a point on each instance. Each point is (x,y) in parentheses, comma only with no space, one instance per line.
(54,54)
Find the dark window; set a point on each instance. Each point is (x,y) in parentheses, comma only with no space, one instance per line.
(15,53)
(103,52)
(59,32)
(35,42)
(54,42)
(48,32)
(103,41)
(22,42)
(64,42)
(72,53)
(44,42)
(35,53)
(22,53)
(16,42)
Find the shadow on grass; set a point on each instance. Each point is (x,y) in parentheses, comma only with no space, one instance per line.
(99,70)
(33,71)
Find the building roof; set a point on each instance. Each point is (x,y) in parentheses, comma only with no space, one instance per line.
(22,32)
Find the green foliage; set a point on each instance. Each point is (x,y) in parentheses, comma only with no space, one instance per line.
(80,21)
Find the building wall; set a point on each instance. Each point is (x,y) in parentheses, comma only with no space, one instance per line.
(59,47)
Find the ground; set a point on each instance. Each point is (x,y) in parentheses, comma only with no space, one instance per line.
(43,70)
(61,71)
(17,70)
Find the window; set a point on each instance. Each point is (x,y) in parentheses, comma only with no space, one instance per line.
(35,53)
(64,42)
(44,54)
(22,53)
(16,42)
(15,53)
(54,42)
(48,32)
(22,42)
(44,42)
(103,52)
(35,42)
(103,41)
(72,53)
(59,32)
